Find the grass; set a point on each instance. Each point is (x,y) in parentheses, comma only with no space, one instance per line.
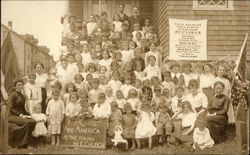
(227,147)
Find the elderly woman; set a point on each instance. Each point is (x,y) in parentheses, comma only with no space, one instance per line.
(216,118)
(20,123)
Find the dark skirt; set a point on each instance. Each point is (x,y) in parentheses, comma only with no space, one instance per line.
(20,131)
(216,125)
(43,103)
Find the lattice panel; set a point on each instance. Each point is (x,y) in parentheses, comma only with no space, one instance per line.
(212,3)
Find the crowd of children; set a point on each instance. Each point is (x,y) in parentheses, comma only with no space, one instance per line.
(115,71)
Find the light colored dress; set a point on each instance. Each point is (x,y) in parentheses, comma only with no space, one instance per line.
(73,109)
(152,71)
(33,96)
(125,89)
(40,128)
(115,85)
(127,55)
(145,127)
(198,101)
(202,138)
(55,110)
(118,25)
(135,103)
(102,110)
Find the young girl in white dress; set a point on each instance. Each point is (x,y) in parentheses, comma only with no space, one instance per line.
(73,108)
(187,75)
(40,118)
(139,74)
(201,137)
(69,88)
(134,100)
(152,69)
(55,112)
(106,60)
(155,53)
(120,100)
(127,85)
(145,127)
(115,82)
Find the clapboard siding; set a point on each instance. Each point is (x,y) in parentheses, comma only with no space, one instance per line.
(226,29)
(76,8)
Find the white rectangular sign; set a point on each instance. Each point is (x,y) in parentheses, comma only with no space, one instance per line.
(188,39)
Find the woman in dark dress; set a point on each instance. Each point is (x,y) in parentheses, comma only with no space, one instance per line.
(20,123)
(216,118)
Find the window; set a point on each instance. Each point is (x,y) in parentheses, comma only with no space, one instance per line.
(213,4)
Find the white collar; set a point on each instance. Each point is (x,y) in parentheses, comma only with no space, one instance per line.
(175,74)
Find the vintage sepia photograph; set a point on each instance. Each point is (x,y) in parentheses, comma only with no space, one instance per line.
(125,77)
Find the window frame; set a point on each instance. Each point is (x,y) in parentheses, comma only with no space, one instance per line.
(197,7)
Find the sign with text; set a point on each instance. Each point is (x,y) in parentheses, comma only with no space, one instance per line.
(86,133)
(188,39)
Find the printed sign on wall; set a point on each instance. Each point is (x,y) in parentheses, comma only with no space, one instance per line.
(188,39)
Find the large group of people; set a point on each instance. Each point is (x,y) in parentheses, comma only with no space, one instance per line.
(116,71)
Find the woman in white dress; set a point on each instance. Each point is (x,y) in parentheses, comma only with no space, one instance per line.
(42,79)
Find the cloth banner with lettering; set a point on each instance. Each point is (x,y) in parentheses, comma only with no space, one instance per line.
(188,39)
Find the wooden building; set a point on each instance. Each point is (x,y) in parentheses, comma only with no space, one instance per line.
(228,20)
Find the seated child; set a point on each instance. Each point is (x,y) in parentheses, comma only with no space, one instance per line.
(177,100)
(102,109)
(163,120)
(201,137)
(40,118)
(73,108)
(129,124)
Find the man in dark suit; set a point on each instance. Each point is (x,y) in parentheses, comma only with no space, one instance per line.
(123,16)
(135,18)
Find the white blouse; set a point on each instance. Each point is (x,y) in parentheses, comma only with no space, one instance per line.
(41,79)
(199,100)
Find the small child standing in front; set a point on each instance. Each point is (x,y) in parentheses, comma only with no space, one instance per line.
(114,119)
(163,120)
(55,112)
(40,118)
(145,127)
(129,125)
(201,137)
